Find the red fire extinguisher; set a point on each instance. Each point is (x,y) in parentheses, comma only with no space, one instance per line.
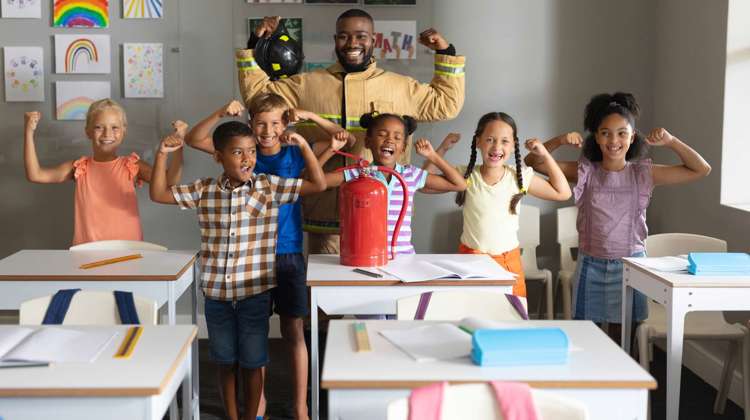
(363,213)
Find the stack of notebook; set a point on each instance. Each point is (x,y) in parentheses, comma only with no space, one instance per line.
(719,263)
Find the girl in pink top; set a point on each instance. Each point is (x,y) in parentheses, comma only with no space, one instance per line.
(105,198)
(612,192)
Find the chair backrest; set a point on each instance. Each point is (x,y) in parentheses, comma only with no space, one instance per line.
(119,245)
(665,244)
(477,401)
(455,305)
(88,307)
(567,236)
(528,236)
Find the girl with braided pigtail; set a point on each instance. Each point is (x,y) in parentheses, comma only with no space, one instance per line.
(494,189)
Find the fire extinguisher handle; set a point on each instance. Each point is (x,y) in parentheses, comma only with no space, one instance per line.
(404,206)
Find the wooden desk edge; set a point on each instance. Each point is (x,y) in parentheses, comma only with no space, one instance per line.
(645,271)
(105,392)
(534,384)
(452,282)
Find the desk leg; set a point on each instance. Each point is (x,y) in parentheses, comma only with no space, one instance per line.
(314,374)
(627,313)
(171,305)
(195,402)
(675,334)
(187,390)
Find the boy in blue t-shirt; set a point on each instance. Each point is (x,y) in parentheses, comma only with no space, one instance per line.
(269,118)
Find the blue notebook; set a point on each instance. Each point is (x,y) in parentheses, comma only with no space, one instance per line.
(719,263)
(519,347)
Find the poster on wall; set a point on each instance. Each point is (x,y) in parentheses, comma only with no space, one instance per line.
(80,53)
(390,2)
(332,1)
(72,99)
(143,70)
(80,14)
(293,27)
(30,9)
(142,9)
(395,40)
(24,74)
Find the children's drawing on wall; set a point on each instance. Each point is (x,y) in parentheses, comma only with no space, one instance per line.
(293,27)
(80,13)
(395,39)
(24,74)
(21,8)
(143,70)
(72,99)
(142,9)
(80,53)
(315,65)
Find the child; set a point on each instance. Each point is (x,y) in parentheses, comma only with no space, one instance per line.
(613,189)
(387,137)
(105,198)
(269,115)
(238,216)
(494,189)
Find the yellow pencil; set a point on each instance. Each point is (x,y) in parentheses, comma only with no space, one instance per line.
(110,261)
(129,342)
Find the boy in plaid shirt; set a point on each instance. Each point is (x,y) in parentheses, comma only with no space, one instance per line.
(237,214)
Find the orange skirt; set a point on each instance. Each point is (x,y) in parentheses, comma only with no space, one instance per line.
(510,261)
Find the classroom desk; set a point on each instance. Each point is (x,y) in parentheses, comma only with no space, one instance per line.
(680,294)
(599,375)
(140,387)
(337,290)
(160,275)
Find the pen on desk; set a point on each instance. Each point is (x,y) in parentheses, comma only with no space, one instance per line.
(367,273)
(10,365)
(110,261)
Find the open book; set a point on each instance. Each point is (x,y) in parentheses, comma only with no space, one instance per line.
(20,345)
(407,268)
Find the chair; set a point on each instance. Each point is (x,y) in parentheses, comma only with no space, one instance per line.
(567,238)
(479,401)
(88,307)
(528,236)
(118,245)
(702,325)
(455,305)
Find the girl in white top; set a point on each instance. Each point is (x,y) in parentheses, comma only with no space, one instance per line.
(494,188)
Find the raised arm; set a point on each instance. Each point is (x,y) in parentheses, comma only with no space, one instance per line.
(693,165)
(297,115)
(174,171)
(34,171)
(200,136)
(569,168)
(450,180)
(448,142)
(557,187)
(317,180)
(159,190)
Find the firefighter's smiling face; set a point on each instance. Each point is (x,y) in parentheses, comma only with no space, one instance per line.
(387,141)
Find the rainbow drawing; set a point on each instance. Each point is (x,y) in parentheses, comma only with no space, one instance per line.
(142,9)
(81,13)
(74,109)
(81,47)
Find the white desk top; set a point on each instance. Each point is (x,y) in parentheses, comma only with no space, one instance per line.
(600,363)
(55,265)
(325,270)
(687,280)
(154,360)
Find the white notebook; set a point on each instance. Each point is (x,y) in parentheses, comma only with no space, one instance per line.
(407,268)
(52,344)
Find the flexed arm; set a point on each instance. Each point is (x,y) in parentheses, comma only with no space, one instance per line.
(34,171)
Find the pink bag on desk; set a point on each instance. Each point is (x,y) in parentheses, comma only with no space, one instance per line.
(514,400)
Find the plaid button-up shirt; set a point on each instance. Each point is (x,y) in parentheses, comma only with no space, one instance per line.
(238,231)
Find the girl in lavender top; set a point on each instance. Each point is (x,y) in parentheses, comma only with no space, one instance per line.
(613,188)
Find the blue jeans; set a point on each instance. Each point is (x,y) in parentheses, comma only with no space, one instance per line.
(238,330)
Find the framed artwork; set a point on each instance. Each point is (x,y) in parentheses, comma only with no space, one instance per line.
(80,13)
(31,9)
(72,99)
(142,9)
(80,53)
(24,74)
(143,70)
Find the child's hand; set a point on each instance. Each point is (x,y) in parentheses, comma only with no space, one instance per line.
(424,148)
(432,39)
(535,146)
(573,139)
(339,140)
(232,109)
(449,141)
(170,143)
(31,120)
(297,115)
(268,26)
(293,139)
(180,128)
(659,137)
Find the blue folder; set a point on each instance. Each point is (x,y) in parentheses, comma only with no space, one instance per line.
(519,347)
(719,263)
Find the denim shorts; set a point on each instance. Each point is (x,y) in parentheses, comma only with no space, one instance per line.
(597,290)
(238,331)
(290,294)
